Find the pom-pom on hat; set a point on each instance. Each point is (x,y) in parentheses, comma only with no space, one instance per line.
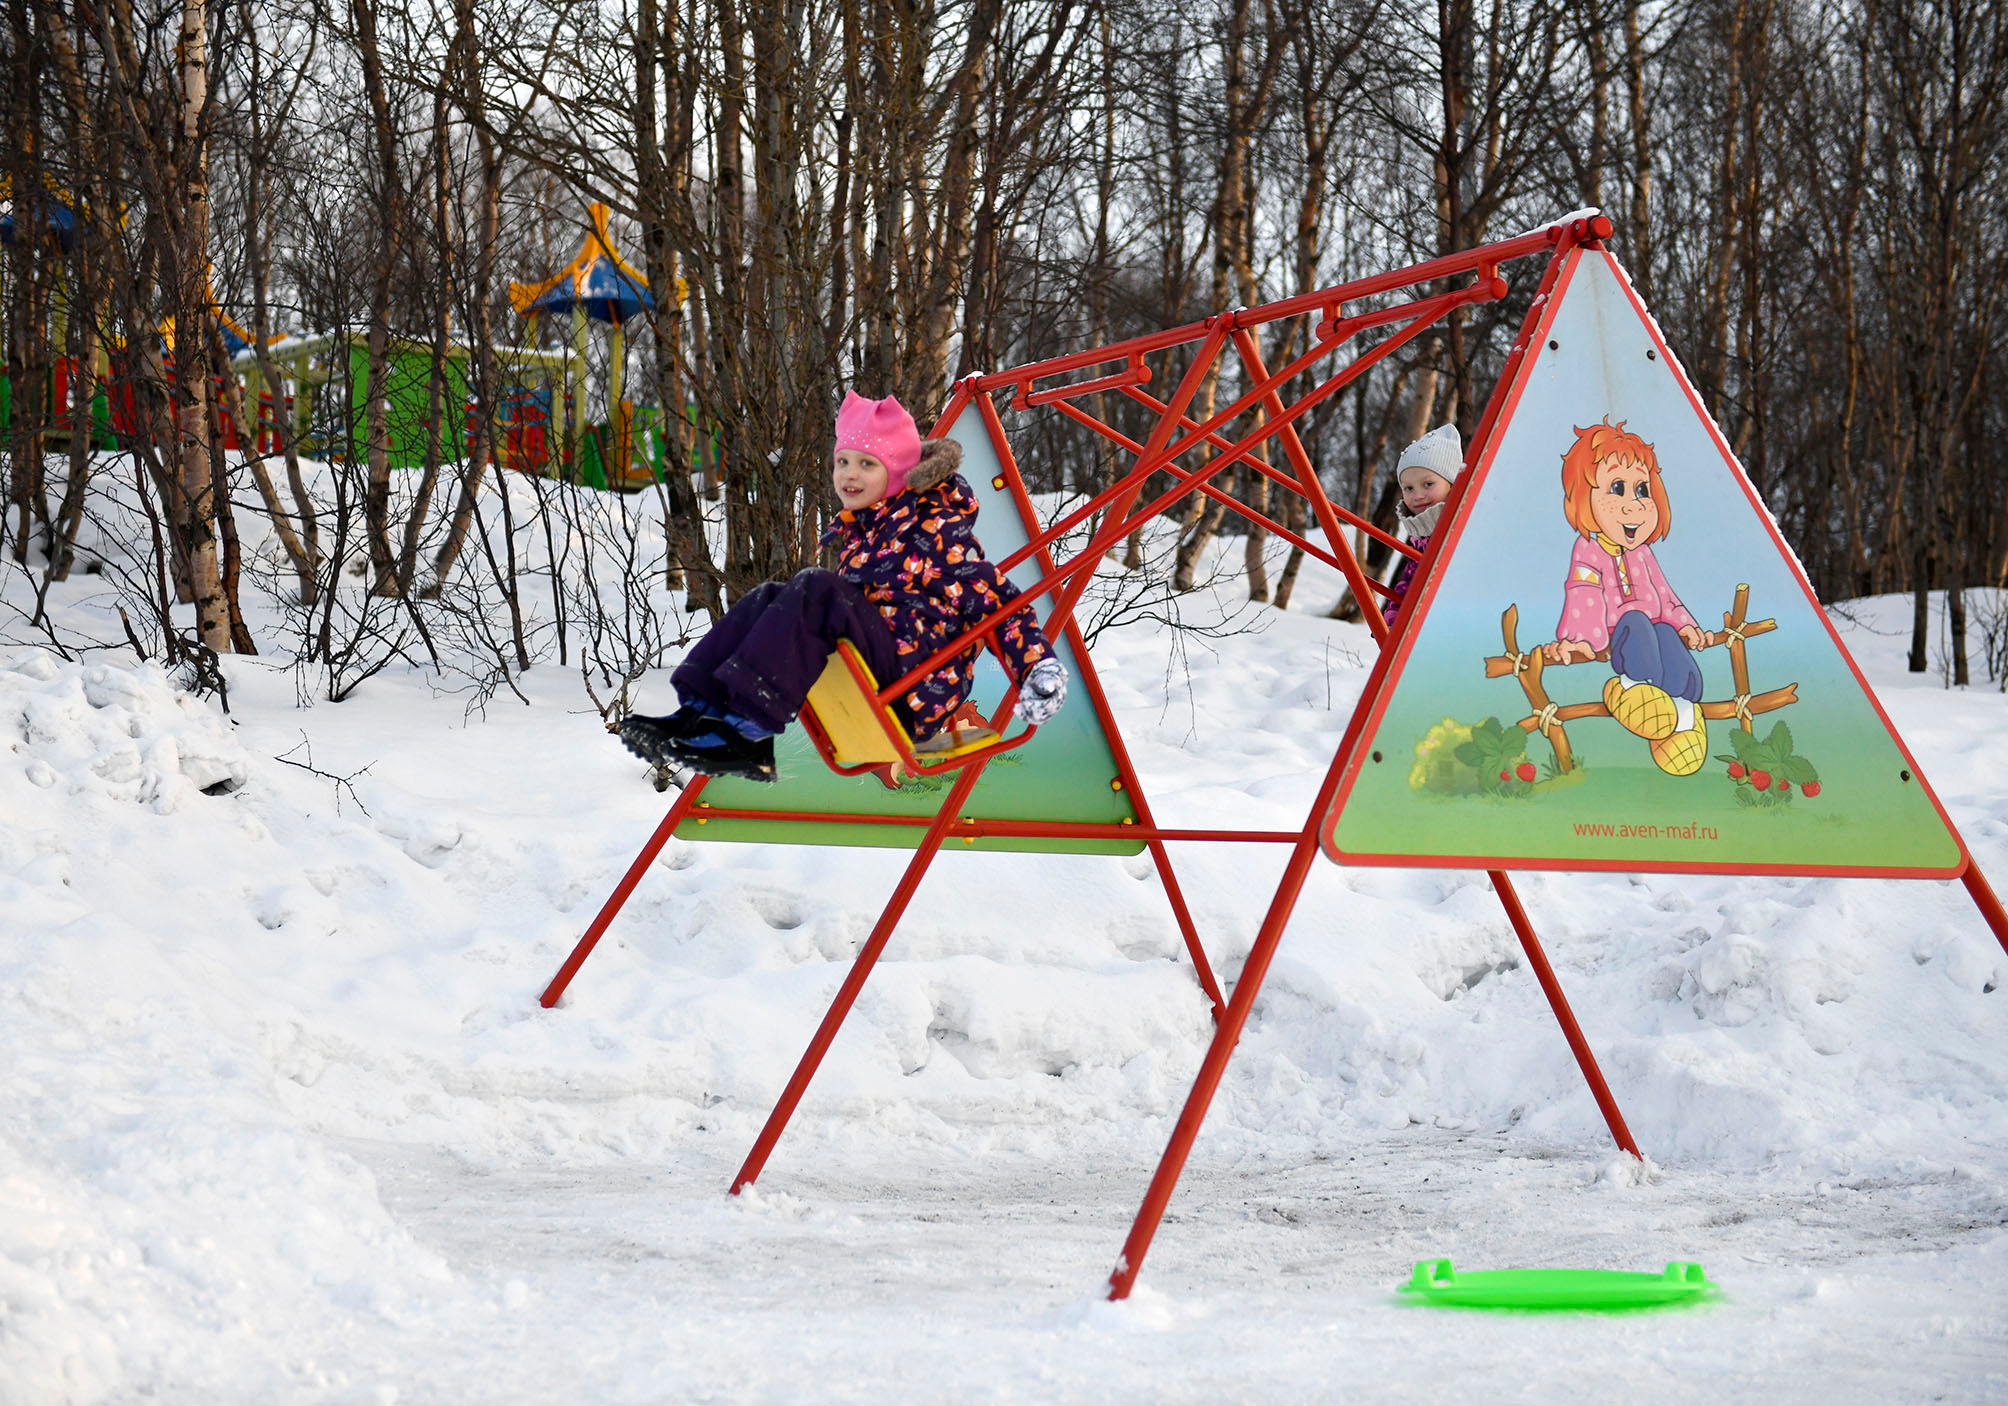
(1441,451)
(882,429)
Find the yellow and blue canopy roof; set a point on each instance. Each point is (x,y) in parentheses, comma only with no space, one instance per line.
(598,279)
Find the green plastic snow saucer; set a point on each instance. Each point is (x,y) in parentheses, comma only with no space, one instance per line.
(1438,1282)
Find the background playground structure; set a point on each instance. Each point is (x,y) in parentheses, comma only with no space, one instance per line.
(55,413)
(542,425)
(626,449)
(56,401)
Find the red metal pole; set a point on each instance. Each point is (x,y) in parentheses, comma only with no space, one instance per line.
(1225,1037)
(1551,986)
(1573,237)
(621,891)
(1989,905)
(1091,684)
(1081,566)
(1314,491)
(861,967)
(1114,436)
(1275,475)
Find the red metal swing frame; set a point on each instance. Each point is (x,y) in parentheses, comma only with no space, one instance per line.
(1114,512)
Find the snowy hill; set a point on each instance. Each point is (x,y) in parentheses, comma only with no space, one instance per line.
(281,1120)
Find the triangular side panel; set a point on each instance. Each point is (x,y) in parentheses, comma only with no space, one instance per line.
(1818,783)
(1067,773)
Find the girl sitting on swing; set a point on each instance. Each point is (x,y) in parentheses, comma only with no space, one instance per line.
(910,577)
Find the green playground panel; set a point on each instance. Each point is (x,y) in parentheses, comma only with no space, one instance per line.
(407,391)
(1062,774)
(1067,773)
(1438,1282)
(647,436)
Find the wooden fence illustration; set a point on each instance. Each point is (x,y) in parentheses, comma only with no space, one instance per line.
(1548,716)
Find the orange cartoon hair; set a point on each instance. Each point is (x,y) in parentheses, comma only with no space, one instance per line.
(1594,445)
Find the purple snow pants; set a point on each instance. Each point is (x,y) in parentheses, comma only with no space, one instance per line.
(761,660)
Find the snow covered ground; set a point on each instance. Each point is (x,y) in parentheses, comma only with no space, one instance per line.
(281,1119)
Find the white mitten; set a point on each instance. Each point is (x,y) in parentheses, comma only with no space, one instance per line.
(1042,691)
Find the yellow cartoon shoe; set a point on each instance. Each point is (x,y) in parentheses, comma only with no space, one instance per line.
(1683,753)
(1644,708)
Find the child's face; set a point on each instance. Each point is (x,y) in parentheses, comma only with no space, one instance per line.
(1622,502)
(1420,487)
(859,479)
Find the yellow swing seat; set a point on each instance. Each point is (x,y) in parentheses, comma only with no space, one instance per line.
(860,733)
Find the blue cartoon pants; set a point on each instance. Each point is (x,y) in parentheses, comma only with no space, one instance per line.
(1652,651)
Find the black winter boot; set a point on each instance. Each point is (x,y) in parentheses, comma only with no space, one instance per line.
(650,738)
(724,751)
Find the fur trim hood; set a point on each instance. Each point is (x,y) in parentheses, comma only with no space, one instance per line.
(940,459)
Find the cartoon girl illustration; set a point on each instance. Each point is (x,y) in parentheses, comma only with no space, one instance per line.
(1618,597)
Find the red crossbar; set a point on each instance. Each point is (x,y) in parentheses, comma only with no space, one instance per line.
(1135,375)
(1074,412)
(976,829)
(1119,522)
(1484,258)
(1386,539)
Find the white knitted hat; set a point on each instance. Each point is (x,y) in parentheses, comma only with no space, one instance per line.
(1441,451)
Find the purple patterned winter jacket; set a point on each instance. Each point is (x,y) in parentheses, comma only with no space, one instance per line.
(1403,579)
(1416,531)
(916,558)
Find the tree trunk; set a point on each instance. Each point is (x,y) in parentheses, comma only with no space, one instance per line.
(480,298)
(27,303)
(191,363)
(1600,102)
(438,415)
(219,479)
(389,241)
(1639,234)
(1955,616)
(302,547)
(950,262)
(1244,102)
(662,143)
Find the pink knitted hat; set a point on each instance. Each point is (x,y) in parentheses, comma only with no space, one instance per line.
(882,429)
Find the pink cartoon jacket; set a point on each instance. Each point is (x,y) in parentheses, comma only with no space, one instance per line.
(1604,582)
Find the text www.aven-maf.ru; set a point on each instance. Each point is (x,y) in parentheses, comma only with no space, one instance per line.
(1608,831)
